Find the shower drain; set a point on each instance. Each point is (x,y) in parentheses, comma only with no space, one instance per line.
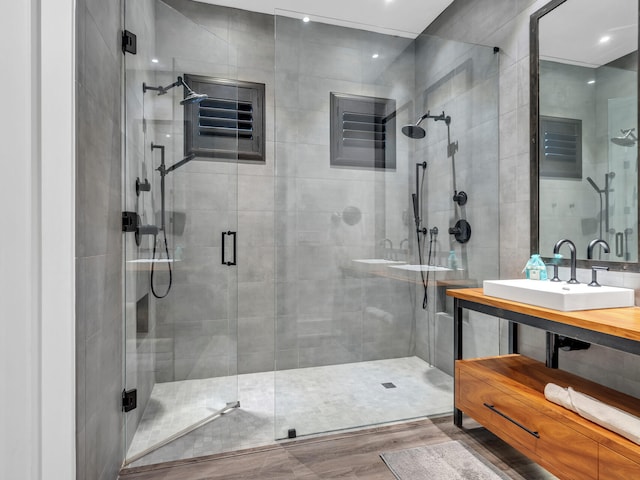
(388,385)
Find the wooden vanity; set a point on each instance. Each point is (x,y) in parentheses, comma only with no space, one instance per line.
(506,393)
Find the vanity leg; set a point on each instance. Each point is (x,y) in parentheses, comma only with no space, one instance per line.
(513,337)
(457,353)
(552,350)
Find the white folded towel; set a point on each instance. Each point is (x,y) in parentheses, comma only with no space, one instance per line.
(606,416)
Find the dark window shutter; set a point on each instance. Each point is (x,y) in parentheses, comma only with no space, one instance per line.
(227,125)
(362,131)
(560,147)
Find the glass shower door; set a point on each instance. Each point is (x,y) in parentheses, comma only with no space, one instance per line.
(363,326)
(181,282)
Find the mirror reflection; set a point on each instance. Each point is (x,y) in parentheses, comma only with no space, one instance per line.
(588,143)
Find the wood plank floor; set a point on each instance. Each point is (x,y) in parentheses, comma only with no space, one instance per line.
(352,455)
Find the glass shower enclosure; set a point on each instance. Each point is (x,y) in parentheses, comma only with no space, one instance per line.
(280,292)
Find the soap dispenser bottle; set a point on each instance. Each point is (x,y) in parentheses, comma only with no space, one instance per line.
(452,261)
(535,269)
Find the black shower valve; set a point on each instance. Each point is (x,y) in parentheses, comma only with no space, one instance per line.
(131,223)
(461,231)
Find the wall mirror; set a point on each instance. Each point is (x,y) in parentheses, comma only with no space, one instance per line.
(584,129)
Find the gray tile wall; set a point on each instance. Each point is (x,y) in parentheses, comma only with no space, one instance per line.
(288,211)
(292,252)
(99,426)
(505,23)
(328,310)
(461,80)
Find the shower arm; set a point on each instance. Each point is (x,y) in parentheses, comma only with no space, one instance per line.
(441,117)
(162,90)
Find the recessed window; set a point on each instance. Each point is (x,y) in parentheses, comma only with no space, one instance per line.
(560,147)
(227,125)
(363,131)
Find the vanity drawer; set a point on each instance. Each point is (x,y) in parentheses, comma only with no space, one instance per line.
(613,466)
(559,448)
(564,451)
(496,410)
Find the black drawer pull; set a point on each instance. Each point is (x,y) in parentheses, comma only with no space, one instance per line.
(494,409)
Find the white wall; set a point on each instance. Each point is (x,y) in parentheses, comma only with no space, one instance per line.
(36,248)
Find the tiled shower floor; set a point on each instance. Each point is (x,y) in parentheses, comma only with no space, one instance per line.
(311,400)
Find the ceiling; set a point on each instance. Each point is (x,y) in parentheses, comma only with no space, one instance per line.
(405,18)
(572,32)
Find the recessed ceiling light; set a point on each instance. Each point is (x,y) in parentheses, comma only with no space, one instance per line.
(168,136)
(375,55)
(605,39)
(154,60)
(306,19)
(591,82)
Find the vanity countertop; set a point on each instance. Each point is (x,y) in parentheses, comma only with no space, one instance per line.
(619,322)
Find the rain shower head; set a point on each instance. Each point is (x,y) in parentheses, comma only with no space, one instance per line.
(414,130)
(627,139)
(192,97)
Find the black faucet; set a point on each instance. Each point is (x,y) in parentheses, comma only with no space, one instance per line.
(572,249)
(592,245)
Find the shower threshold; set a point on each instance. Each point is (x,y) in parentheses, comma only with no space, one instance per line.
(230,407)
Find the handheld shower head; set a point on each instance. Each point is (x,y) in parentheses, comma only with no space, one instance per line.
(593,184)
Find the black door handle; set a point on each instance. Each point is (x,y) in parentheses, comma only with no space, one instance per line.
(224,259)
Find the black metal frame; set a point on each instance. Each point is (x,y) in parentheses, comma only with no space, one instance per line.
(534,103)
(552,328)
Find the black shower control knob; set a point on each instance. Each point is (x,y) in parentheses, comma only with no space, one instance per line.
(461,231)
(460,198)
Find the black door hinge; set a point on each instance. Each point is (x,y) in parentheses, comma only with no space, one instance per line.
(129,222)
(129,42)
(129,400)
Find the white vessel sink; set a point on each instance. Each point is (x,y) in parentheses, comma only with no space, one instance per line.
(559,295)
